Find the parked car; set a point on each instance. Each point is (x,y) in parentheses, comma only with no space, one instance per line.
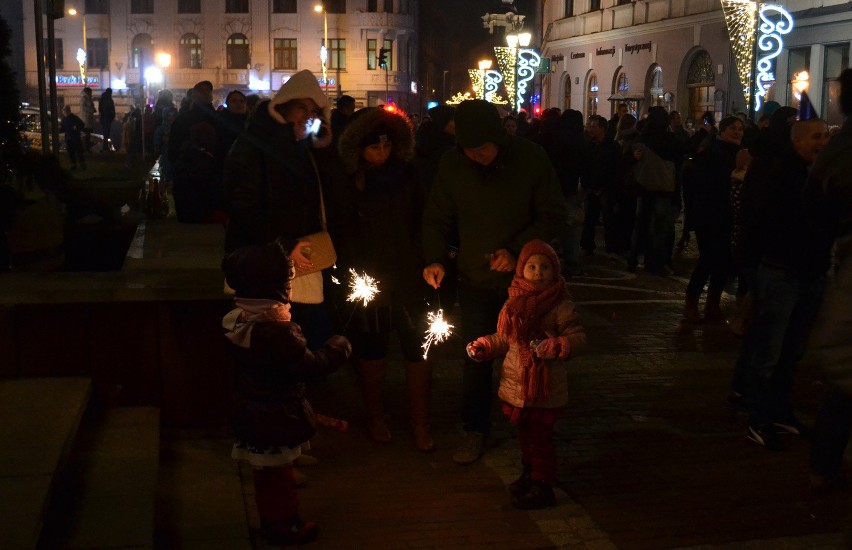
(30,128)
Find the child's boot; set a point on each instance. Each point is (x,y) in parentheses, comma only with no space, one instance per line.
(519,485)
(418,377)
(371,376)
(537,495)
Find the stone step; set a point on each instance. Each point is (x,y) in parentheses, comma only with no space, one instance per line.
(39,418)
(108,496)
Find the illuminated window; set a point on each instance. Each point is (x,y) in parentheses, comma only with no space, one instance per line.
(237,51)
(189,52)
(285,54)
(701,81)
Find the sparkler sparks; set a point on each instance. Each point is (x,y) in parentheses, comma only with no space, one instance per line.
(363,287)
(438,331)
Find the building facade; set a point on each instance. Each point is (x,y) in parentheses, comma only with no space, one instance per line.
(677,53)
(249,45)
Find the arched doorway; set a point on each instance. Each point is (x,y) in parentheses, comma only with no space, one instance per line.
(592,95)
(141,52)
(654,94)
(701,83)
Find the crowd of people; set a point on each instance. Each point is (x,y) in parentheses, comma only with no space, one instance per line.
(486,217)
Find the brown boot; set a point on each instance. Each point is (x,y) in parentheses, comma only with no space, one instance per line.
(418,377)
(713,309)
(371,377)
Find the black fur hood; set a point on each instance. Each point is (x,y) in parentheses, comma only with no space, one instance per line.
(363,124)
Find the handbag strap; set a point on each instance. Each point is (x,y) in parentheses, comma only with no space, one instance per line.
(319,184)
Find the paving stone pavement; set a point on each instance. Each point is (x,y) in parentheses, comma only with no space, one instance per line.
(650,454)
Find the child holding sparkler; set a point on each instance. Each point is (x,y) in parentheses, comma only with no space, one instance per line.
(273,419)
(377,232)
(538,331)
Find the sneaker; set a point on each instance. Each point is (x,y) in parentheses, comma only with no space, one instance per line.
(471,449)
(538,495)
(766,437)
(792,427)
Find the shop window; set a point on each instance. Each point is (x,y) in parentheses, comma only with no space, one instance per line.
(592,96)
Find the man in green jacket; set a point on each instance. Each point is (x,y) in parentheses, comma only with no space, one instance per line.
(499,192)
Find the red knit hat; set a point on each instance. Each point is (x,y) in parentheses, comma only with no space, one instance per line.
(533,247)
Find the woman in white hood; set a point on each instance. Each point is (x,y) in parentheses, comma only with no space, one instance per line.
(273,189)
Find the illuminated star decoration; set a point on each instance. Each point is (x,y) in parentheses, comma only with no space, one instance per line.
(363,288)
(437,332)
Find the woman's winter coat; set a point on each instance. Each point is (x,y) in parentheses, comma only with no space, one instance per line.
(272,188)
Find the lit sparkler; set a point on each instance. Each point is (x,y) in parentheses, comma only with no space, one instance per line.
(363,287)
(438,331)
(335,280)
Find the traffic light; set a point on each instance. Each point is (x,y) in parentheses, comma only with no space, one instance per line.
(383,57)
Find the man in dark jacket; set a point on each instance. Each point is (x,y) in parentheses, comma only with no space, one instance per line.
(599,178)
(828,196)
(500,192)
(72,126)
(106,107)
(788,291)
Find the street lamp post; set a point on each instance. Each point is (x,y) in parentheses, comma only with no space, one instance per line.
(320,8)
(81,52)
(164,59)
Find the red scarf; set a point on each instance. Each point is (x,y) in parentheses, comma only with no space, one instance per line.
(520,318)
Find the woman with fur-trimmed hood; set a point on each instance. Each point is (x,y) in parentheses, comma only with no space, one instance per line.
(379,233)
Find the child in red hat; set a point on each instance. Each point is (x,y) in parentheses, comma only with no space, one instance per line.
(538,331)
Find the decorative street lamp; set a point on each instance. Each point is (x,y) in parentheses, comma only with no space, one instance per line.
(81,52)
(750,28)
(320,8)
(164,59)
(518,65)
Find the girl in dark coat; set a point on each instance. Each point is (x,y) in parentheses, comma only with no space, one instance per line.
(273,419)
(380,235)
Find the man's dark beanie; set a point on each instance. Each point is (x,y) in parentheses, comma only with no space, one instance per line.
(477,122)
(441,115)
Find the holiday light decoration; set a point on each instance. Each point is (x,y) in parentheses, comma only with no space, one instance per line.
(477,81)
(492,82)
(528,62)
(437,331)
(458,98)
(741,19)
(507,58)
(362,287)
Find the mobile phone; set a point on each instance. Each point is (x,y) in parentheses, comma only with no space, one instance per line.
(315,126)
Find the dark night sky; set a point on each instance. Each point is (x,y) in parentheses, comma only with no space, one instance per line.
(453,39)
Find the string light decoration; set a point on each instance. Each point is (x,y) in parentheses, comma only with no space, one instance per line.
(741,19)
(458,98)
(528,62)
(477,81)
(437,331)
(507,58)
(492,82)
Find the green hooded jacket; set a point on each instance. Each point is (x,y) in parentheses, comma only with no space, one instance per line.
(504,205)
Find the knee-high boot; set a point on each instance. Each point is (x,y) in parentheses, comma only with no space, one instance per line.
(371,377)
(418,377)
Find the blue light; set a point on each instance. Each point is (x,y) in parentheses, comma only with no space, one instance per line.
(430,104)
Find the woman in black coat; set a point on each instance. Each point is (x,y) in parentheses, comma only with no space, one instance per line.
(379,233)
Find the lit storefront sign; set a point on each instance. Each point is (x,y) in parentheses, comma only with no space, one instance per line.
(73,80)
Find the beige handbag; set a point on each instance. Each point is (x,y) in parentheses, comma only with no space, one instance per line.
(321,252)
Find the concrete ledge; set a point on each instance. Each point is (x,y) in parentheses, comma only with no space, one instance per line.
(38,422)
